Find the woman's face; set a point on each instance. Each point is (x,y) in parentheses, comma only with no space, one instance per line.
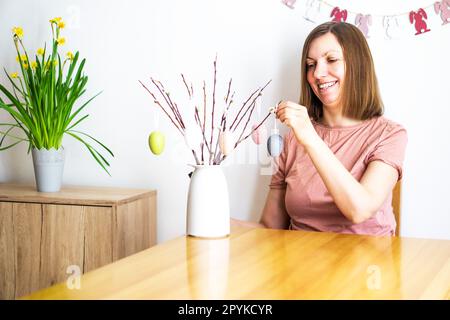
(326,69)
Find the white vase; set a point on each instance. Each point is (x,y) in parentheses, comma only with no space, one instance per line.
(48,169)
(208,208)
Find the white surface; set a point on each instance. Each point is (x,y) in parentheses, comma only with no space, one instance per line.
(256,40)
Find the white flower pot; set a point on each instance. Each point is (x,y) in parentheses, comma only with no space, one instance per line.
(208,208)
(48,169)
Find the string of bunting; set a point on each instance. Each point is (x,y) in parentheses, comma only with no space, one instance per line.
(416,20)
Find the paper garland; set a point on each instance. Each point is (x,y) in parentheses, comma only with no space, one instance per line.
(444,8)
(417,18)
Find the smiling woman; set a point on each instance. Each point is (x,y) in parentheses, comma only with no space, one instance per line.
(341,158)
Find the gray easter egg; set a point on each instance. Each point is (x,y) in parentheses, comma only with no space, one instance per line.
(275,145)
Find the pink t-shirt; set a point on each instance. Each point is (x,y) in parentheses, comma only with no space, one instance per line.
(308,202)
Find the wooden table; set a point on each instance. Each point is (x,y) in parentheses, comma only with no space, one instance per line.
(273,264)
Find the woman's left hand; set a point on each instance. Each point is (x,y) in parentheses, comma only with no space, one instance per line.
(296,117)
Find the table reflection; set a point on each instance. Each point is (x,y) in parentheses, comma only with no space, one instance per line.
(207,267)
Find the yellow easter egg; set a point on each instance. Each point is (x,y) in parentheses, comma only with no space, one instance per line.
(156,142)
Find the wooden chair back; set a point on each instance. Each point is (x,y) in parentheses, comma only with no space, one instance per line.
(396,200)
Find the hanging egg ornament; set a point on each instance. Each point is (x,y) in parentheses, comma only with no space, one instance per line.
(156,142)
(275,144)
(226,142)
(259,135)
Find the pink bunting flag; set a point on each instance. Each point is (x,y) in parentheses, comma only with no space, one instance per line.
(339,15)
(363,22)
(418,18)
(444,8)
(289,3)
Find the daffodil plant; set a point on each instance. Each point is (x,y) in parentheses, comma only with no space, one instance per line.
(43,96)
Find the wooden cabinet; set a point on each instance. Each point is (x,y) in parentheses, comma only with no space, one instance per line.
(43,236)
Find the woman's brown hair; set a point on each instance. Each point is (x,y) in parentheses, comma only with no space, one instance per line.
(360,95)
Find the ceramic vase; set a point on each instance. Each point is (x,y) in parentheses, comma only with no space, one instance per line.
(208,209)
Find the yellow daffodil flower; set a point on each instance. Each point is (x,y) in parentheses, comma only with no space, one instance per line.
(40,51)
(69,55)
(22,57)
(55,20)
(14,75)
(61,41)
(61,24)
(25,66)
(18,31)
(34,65)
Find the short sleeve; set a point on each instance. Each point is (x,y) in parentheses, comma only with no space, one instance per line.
(278,178)
(391,147)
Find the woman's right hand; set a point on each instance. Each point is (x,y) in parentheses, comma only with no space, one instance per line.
(296,117)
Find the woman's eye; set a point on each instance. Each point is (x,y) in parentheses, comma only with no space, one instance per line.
(332,60)
(309,66)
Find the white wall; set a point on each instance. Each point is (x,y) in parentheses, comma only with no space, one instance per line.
(256,40)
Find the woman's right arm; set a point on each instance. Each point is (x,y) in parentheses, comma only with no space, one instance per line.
(274,214)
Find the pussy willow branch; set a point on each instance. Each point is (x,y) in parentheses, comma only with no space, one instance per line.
(248,120)
(161,90)
(187,87)
(228,93)
(251,107)
(213,107)
(179,114)
(196,116)
(195,157)
(254,129)
(199,122)
(166,97)
(223,122)
(242,108)
(228,107)
(163,93)
(204,116)
(243,139)
(155,100)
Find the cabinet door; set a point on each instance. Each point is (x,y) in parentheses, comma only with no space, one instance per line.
(7,273)
(20,239)
(74,236)
(98,241)
(134,227)
(62,242)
